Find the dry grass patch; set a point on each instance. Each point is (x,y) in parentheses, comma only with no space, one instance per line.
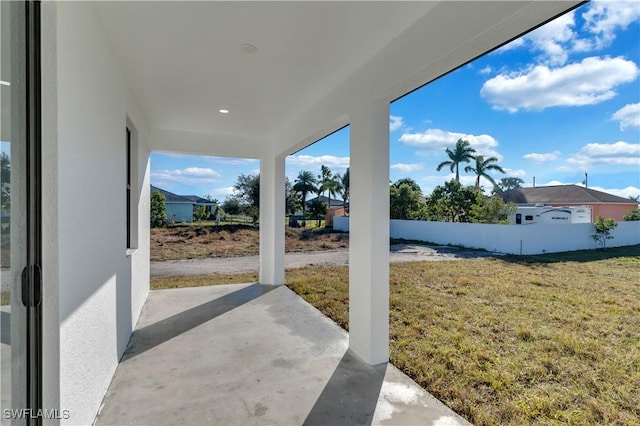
(199,242)
(547,339)
(202,280)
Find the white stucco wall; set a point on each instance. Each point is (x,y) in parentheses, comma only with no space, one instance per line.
(510,239)
(180,212)
(101,285)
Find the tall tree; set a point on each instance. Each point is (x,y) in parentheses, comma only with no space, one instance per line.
(507,184)
(462,153)
(317,209)
(5,181)
(248,194)
(408,181)
(344,182)
(452,202)
(482,168)
(304,184)
(404,202)
(326,182)
(158,214)
(492,210)
(209,197)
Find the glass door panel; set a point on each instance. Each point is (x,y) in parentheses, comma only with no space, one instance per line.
(20,320)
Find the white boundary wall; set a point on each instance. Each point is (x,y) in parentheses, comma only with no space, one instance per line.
(509,239)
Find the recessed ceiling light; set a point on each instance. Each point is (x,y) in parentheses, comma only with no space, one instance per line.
(224,111)
(249,48)
(4,83)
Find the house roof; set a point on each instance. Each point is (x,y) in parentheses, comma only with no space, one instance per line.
(334,201)
(562,194)
(198,200)
(170,197)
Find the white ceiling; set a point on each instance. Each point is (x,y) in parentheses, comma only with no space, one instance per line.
(184,60)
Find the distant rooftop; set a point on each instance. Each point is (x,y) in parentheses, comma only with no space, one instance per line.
(170,196)
(570,194)
(197,199)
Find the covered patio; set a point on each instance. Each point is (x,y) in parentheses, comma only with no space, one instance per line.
(254,80)
(254,354)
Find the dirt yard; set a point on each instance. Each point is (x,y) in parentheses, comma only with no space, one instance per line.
(195,242)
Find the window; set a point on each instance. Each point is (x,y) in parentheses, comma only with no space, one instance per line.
(128,188)
(132,186)
(528,217)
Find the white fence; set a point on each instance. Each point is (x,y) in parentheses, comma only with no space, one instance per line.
(509,239)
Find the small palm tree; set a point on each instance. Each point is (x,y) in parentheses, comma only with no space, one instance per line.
(304,184)
(344,183)
(482,168)
(462,153)
(326,182)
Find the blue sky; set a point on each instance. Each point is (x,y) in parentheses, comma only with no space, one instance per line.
(555,104)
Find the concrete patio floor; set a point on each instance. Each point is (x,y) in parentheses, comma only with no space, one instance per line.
(253,354)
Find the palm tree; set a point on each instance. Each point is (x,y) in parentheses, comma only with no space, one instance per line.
(463,153)
(482,167)
(5,179)
(344,183)
(326,182)
(304,184)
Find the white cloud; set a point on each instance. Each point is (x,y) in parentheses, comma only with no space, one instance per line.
(311,161)
(555,183)
(486,70)
(437,140)
(519,42)
(603,18)
(219,160)
(588,82)
(407,168)
(234,161)
(558,39)
(549,39)
(395,123)
(190,175)
(513,173)
(628,116)
(223,192)
(549,156)
(200,172)
(620,153)
(629,191)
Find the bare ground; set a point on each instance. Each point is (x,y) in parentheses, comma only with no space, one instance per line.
(241,264)
(197,242)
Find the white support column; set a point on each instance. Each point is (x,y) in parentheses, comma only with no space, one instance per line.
(272,212)
(369,233)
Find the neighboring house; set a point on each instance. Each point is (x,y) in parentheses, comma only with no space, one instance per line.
(179,208)
(601,203)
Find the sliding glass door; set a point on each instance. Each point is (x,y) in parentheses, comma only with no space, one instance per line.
(20,257)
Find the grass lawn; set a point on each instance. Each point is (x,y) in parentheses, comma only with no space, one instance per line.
(515,340)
